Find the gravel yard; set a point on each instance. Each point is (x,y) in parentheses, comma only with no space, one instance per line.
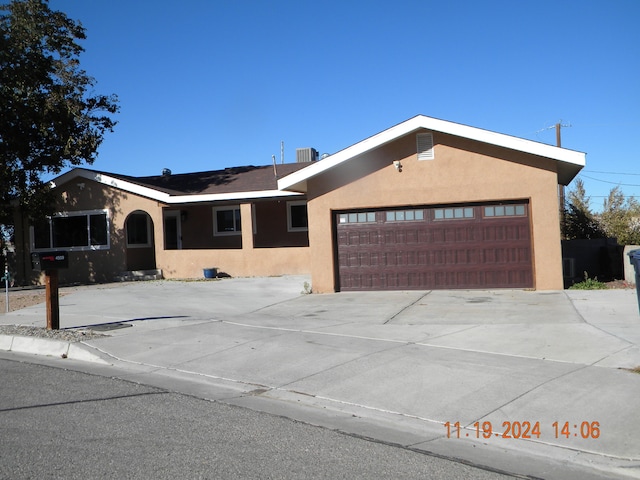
(70,335)
(19,299)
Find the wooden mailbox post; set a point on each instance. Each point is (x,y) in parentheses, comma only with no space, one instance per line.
(50,263)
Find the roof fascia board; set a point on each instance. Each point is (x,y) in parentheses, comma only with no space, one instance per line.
(165,197)
(112,182)
(295,181)
(508,141)
(213,197)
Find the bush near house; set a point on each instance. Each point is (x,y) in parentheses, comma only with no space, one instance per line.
(589,284)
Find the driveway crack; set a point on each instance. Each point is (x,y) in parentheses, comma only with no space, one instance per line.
(528,392)
(333,367)
(406,307)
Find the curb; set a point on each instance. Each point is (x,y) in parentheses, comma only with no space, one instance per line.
(51,348)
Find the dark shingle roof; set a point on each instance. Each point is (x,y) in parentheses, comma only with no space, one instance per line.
(229,180)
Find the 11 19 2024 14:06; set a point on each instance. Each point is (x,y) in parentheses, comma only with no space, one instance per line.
(524,430)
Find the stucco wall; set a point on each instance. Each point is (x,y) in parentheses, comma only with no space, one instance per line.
(272,229)
(234,255)
(102,265)
(237,263)
(245,262)
(462,171)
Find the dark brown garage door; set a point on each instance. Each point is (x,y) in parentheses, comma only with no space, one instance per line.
(468,246)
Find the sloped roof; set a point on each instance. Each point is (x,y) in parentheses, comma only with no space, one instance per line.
(215,185)
(570,162)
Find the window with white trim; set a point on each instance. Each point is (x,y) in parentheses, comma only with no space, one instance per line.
(226,220)
(297,219)
(73,231)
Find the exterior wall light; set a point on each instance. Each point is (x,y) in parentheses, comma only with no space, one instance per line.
(398,165)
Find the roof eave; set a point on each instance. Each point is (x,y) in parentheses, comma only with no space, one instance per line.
(219,197)
(108,180)
(574,160)
(153,194)
(567,172)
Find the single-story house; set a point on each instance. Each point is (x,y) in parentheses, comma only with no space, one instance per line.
(425,204)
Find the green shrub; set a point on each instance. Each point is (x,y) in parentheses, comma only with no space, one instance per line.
(589,284)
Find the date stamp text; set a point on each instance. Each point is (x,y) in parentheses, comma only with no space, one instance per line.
(524,430)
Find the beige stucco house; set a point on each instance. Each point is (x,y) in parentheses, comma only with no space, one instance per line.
(424,204)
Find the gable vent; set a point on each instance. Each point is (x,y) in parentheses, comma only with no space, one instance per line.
(425,146)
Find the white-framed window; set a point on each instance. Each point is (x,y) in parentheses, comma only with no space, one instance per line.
(226,220)
(73,231)
(138,229)
(424,145)
(297,219)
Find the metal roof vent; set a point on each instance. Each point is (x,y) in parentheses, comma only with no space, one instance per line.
(306,155)
(166,172)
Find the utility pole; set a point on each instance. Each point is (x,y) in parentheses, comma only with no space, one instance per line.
(561,196)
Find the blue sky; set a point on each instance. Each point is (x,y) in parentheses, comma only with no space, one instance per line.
(205,85)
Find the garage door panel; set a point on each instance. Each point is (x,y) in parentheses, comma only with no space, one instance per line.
(498,233)
(475,252)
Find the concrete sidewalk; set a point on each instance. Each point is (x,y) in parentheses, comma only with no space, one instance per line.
(394,366)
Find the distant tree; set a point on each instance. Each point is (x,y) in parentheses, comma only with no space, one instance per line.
(579,221)
(50,118)
(620,217)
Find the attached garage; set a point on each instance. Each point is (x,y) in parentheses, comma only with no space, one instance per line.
(443,247)
(429,204)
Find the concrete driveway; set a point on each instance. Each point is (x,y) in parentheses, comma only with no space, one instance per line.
(393,366)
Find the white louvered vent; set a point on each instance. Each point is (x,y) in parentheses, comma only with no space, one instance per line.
(425,146)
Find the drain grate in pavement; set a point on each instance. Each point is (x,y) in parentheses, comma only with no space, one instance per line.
(479,300)
(258,391)
(110,326)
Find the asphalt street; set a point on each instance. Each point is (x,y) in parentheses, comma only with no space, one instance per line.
(58,423)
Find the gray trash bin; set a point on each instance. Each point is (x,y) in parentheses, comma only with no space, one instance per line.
(634,258)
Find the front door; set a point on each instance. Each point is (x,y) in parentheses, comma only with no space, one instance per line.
(141,253)
(172,230)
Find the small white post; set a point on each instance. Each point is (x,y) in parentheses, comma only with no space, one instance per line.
(6,280)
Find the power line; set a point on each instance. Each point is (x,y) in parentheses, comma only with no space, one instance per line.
(612,183)
(607,196)
(611,173)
